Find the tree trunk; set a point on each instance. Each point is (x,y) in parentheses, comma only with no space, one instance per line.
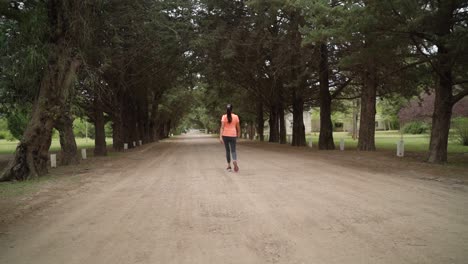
(443,104)
(356,107)
(298,136)
(144,129)
(326,126)
(366,140)
(131,123)
(251,130)
(260,121)
(117,132)
(282,124)
(69,152)
(274,124)
(126,122)
(166,129)
(154,126)
(31,155)
(100,146)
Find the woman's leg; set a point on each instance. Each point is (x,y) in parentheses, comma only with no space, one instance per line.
(228,152)
(234,154)
(233,148)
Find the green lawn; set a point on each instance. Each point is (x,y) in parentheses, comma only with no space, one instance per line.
(8,147)
(16,189)
(387,140)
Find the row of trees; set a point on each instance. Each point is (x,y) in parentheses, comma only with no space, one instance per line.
(119,61)
(140,63)
(273,56)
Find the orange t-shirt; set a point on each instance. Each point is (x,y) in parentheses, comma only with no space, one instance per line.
(230,128)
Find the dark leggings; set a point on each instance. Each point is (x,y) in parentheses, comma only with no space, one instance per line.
(230,145)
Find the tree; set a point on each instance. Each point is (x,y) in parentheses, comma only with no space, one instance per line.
(324,22)
(439,33)
(57,79)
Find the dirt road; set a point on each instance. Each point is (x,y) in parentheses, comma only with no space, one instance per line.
(172,202)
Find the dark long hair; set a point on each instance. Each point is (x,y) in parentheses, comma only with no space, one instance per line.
(229,112)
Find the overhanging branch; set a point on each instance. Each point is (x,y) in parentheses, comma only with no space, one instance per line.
(460,95)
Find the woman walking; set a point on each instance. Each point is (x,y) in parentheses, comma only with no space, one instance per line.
(230,130)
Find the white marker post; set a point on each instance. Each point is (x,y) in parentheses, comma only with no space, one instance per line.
(140,142)
(342,145)
(125,146)
(53,160)
(289,139)
(400,148)
(83,154)
(134,144)
(310,143)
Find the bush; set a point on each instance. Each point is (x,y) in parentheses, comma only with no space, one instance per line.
(460,129)
(5,134)
(10,137)
(417,127)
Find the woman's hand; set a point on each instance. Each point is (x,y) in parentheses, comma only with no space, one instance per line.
(221,140)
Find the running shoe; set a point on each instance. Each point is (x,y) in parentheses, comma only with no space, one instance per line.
(236,168)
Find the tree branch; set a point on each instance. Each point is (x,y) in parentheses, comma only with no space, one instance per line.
(458,82)
(340,88)
(460,95)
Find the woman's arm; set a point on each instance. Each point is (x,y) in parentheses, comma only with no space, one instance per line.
(238,129)
(221,132)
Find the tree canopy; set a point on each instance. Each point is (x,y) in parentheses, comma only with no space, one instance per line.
(152,67)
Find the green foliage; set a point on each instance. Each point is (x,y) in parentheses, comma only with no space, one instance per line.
(460,130)
(108,129)
(82,128)
(3,135)
(389,107)
(3,124)
(17,121)
(4,132)
(417,127)
(23,54)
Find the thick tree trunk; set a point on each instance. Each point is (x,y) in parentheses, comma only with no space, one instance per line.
(260,121)
(326,127)
(154,131)
(168,128)
(366,140)
(69,151)
(147,122)
(251,130)
(282,124)
(100,145)
(165,129)
(138,124)
(31,155)
(274,124)
(356,107)
(117,132)
(154,125)
(443,104)
(131,123)
(298,136)
(126,122)
(144,124)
